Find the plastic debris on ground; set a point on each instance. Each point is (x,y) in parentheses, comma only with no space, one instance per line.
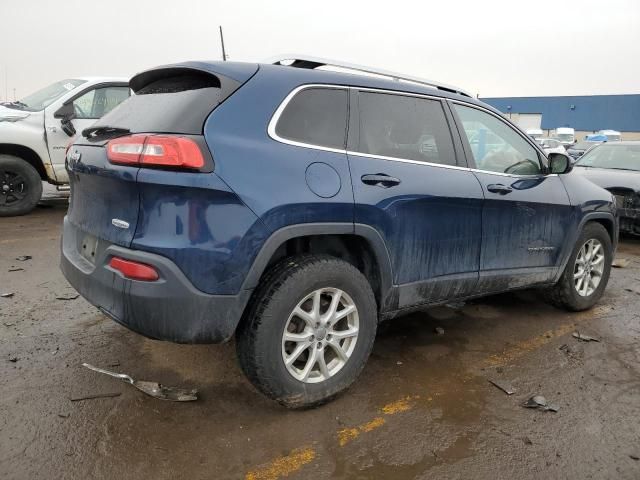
(539,402)
(584,338)
(505,387)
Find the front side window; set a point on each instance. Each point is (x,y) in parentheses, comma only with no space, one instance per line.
(496,147)
(98,102)
(316,116)
(404,127)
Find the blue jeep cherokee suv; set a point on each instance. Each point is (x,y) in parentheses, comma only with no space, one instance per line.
(296,207)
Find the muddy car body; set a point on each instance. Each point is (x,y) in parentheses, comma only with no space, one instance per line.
(299,207)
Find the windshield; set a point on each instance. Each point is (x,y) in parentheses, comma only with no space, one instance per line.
(45,97)
(613,137)
(618,157)
(565,137)
(584,145)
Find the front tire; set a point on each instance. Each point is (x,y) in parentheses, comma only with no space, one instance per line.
(587,272)
(20,186)
(309,330)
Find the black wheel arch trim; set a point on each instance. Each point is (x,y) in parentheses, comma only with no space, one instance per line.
(591,216)
(369,234)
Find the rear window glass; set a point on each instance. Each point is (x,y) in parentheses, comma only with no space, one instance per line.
(316,116)
(174,104)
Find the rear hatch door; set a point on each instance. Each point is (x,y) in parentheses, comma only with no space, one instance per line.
(173,100)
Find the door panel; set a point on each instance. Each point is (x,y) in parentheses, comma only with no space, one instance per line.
(523,230)
(407,185)
(430,223)
(525,213)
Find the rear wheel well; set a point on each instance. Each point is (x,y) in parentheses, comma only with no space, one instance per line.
(26,154)
(353,249)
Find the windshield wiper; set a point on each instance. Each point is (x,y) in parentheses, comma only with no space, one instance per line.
(620,168)
(99,131)
(15,104)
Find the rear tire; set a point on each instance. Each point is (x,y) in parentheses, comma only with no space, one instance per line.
(20,186)
(294,301)
(582,283)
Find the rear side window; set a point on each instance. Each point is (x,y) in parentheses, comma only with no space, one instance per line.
(173,104)
(404,127)
(316,116)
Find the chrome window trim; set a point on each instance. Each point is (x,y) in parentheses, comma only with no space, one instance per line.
(271,129)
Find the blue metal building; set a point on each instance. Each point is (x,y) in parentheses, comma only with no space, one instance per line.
(585,113)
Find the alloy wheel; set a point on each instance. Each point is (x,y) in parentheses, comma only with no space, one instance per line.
(320,335)
(589,267)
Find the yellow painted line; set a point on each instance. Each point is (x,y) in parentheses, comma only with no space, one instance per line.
(402,405)
(283,466)
(347,434)
(522,348)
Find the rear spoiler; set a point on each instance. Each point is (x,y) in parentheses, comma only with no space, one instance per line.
(231,75)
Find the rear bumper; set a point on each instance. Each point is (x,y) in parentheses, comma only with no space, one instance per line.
(170,308)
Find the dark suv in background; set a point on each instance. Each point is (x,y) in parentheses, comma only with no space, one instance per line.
(296,208)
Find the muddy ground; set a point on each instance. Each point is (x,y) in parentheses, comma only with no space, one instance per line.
(423,407)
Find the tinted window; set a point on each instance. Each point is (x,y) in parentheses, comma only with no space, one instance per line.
(404,127)
(100,101)
(317,116)
(497,147)
(172,104)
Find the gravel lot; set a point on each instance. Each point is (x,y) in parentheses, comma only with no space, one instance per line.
(423,407)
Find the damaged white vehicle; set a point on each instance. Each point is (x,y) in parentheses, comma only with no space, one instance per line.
(35,132)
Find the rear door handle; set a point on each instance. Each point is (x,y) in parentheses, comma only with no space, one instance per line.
(499,188)
(380,180)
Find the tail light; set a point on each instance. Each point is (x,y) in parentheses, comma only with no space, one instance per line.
(156,151)
(134,270)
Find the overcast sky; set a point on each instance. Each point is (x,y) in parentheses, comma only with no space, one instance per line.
(491,47)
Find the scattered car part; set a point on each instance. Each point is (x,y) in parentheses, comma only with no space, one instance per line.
(620,263)
(505,387)
(16,269)
(439,330)
(23,258)
(7,295)
(539,402)
(584,338)
(68,297)
(152,389)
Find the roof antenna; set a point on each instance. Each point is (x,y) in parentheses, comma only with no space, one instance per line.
(224,53)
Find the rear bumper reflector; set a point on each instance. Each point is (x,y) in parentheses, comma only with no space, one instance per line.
(134,270)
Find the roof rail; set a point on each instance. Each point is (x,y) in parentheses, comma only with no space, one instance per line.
(306,61)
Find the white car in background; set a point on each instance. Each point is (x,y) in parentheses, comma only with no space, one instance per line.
(551,145)
(35,132)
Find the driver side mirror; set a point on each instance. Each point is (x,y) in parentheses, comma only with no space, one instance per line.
(559,163)
(66,111)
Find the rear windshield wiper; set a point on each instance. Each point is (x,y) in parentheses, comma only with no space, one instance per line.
(99,131)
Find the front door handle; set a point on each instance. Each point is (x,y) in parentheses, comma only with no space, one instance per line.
(499,188)
(380,180)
